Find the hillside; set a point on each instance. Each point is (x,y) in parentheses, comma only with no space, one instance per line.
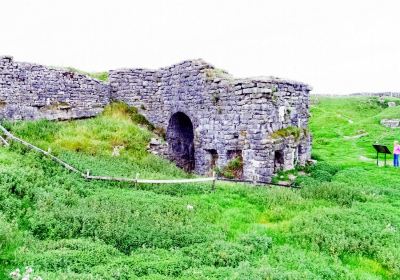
(342,224)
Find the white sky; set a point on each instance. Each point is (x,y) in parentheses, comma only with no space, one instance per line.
(336,46)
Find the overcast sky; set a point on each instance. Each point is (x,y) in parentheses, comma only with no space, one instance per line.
(335,46)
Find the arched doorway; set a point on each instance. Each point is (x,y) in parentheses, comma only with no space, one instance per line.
(180,140)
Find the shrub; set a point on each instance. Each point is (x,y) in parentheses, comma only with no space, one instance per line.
(218,253)
(233,169)
(290,262)
(7,235)
(304,181)
(124,220)
(78,255)
(257,242)
(321,175)
(324,166)
(144,262)
(333,191)
(366,230)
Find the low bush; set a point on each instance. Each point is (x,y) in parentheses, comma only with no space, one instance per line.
(7,234)
(324,166)
(321,175)
(124,220)
(258,242)
(219,253)
(366,230)
(146,262)
(304,181)
(233,170)
(78,255)
(291,262)
(337,192)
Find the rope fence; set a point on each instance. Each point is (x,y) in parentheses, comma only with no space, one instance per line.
(87,175)
(135,180)
(255,182)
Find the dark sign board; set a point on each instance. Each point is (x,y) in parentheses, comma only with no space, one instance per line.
(381,149)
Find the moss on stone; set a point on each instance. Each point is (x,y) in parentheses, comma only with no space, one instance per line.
(215,73)
(294,131)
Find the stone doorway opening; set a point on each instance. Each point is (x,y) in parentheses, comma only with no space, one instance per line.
(212,160)
(180,141)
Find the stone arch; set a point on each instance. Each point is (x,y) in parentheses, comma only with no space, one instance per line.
(180,138)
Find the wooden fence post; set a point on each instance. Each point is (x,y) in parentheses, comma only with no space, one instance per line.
(4,141)
(254,180)
(213,182)
(136,179)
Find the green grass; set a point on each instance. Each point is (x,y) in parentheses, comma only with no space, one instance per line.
(342,224)
(336,119)
(101,76)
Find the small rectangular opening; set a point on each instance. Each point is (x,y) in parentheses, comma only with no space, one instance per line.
(213,158)
(234,166)
(279,160)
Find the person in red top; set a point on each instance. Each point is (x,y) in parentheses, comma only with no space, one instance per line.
(396,153)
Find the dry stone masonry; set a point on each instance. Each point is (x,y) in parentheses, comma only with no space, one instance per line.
(31,91)
(392,123)
(210,118)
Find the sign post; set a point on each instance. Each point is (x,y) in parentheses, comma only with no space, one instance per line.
(381,149)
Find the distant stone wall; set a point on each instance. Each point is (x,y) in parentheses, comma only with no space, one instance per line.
(262,120)
(31,91)
(380,94)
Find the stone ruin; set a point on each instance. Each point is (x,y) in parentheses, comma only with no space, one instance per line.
(210,118)
(31,91)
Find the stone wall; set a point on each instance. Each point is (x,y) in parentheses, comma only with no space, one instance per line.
(31,91)
(262,120)
(209,117)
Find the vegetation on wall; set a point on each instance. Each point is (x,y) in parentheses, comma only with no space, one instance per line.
(101,76)
(216,73)
(233,169)
(294,131)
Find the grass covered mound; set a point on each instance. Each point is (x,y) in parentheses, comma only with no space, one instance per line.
(89,144)
(342,224)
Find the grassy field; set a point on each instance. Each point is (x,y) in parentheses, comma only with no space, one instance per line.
(342,224)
